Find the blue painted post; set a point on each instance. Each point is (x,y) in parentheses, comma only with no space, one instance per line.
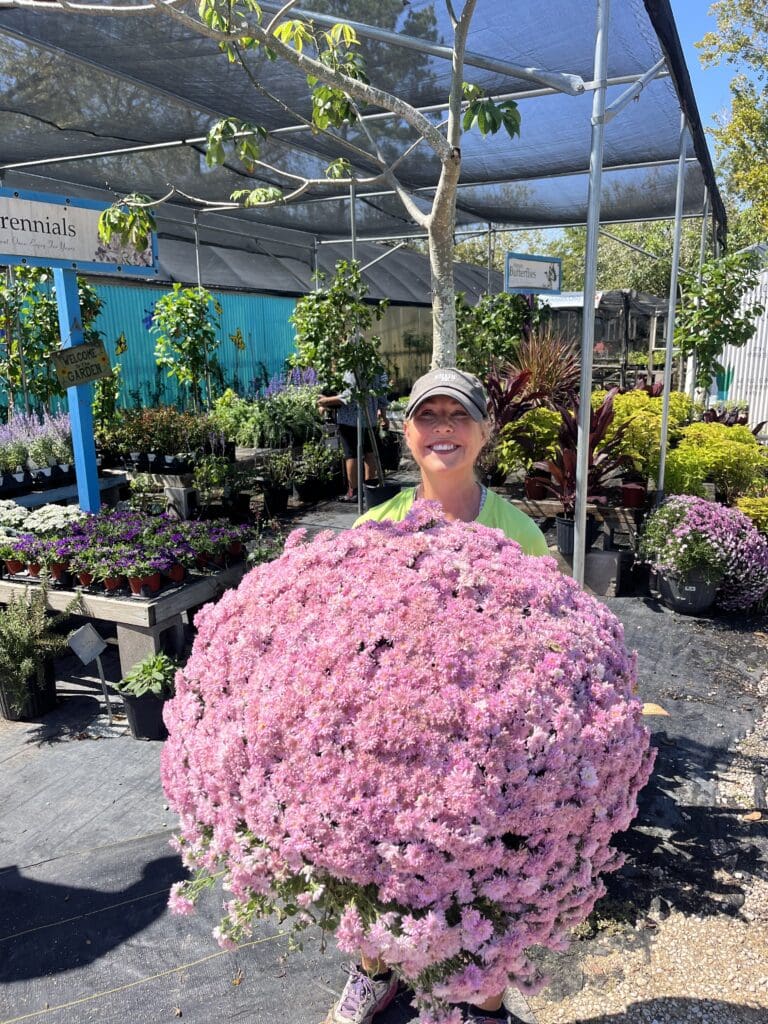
(80,397)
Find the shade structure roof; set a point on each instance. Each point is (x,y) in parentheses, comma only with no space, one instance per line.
(77,85)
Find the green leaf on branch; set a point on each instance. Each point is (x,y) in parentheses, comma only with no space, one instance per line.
(231,17)
(295,33)
(242,136)
(257,196)
(129,219)
(339,168)
(487,114)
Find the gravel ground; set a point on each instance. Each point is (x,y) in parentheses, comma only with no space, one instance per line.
(674,967)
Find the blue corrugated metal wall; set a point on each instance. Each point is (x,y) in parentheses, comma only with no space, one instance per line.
(262,320)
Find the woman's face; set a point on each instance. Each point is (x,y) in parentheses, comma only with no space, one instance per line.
(443,437)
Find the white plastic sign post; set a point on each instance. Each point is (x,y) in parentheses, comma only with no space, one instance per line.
(88,645)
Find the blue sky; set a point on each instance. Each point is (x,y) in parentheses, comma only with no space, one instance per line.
(710,85)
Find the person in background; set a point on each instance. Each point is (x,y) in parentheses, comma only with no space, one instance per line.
(346,420)
(446,427)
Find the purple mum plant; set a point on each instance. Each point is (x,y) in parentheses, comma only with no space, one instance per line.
(688,533)
(412,735)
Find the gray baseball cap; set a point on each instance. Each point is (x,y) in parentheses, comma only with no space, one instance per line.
(456,384)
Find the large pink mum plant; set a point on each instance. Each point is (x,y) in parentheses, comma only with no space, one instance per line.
(415,736)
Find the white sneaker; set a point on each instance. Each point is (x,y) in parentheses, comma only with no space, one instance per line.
(363,997)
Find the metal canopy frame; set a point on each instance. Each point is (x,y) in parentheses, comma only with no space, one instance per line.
(472,210)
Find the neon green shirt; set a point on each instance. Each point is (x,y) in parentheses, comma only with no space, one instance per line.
(496,512)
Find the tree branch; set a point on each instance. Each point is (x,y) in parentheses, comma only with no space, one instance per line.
(356,89)
(388,173)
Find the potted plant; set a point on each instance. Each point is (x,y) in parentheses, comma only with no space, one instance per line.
(680,542)
(314,471)
(29,640)
(144,689)
(277,475)
(604,462)
(526,444)
(9,553)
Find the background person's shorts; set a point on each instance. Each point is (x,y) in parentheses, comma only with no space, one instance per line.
(348,438)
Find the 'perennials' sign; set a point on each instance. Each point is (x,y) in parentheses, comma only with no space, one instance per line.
(54,231)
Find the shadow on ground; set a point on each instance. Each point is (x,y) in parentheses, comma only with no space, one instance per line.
(62,927)
(680,1010)
(684,848)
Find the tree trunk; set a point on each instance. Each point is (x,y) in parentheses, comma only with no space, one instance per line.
(442,224)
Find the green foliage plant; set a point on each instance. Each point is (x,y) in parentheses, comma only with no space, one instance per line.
(29,636)
(333,337)
(29,321)
(155,675)
(490,332)
(710,314)
(317,462)
(185,323)
(278,470)
(531,439)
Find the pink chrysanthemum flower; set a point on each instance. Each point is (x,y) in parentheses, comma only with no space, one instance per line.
(430,733)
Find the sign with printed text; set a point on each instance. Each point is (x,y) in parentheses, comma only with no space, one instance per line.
(81,364)
(532,275)
(54,231)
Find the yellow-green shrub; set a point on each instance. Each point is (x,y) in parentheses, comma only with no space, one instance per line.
(729,457)
(642,438)
(541,426)
(717,433)
(757,510)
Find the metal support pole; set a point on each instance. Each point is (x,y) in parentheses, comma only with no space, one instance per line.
(490,257)
(692,361)
(590,280)
(104,689)
(80,398)
(196,220)
(360,427)
(671,313)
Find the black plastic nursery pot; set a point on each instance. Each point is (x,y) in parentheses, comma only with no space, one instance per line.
(312,491)
(691,594)
(565,533)
(535,487)
(276,500)
(145,716)
(40,698)
(376,493)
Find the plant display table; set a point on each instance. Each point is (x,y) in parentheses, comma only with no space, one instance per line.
(108,487)
(144,626)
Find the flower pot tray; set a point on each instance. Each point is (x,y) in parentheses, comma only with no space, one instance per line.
(144,626)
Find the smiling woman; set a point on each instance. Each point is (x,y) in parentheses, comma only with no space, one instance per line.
(446,426)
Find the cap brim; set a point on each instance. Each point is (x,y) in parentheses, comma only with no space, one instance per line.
(474,411)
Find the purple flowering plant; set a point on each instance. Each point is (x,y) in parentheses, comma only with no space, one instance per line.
(415,736)
(687,533)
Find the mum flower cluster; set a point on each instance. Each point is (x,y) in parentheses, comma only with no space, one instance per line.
(688,533)
(416,736)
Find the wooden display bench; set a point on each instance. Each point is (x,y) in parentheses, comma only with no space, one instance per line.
(144,626)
